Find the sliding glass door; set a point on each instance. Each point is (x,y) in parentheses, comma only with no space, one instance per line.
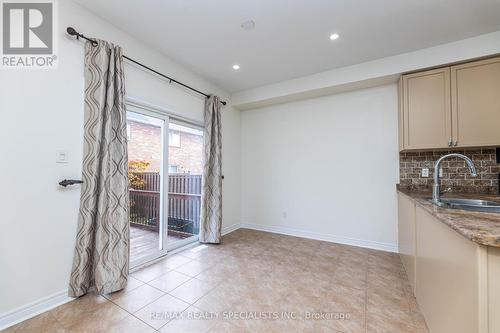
(147,141)
(185,168)
(165,171)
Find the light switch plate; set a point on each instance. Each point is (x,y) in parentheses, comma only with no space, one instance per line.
(425,172)
(61,156)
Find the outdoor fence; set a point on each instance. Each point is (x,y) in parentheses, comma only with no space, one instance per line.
(184,202)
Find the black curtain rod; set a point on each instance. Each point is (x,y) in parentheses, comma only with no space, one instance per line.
(71,31)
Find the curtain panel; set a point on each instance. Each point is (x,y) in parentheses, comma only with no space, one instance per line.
(211,208)
(101,256)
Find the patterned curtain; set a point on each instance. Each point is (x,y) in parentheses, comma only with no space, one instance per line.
(211,207)
(101,257)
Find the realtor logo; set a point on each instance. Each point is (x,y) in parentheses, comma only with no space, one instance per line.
(28,34)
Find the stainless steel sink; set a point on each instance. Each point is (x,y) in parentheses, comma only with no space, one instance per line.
(465,204)
(470,204)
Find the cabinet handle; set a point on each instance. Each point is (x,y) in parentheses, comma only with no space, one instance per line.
(455,143)
(450,143)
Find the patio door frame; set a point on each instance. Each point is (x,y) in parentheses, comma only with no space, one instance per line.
(138,106)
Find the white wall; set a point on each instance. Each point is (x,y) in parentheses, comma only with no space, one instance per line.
(41,112)
(324,168)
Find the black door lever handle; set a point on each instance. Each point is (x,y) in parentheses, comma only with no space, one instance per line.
(67,182)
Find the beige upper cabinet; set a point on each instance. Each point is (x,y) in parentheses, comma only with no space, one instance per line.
(426,109)
(457,106)
(475,98)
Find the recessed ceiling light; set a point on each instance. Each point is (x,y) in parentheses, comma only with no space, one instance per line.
(334,36)
(236,67)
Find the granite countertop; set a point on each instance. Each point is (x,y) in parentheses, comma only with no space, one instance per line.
(481,228)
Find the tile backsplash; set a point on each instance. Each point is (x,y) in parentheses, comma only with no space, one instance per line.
(456,174)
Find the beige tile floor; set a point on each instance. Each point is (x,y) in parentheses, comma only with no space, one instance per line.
(244,284)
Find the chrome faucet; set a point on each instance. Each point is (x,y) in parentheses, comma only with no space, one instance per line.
(436,191)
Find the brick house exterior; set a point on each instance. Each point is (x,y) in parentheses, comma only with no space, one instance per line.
(185,149)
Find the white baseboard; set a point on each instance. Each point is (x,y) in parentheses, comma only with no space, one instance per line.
(32,309)
(323,237)
(231,228)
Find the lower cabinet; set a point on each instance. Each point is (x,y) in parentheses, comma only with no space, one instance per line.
(493,289)
(456,281)
(407,244)
(447,276)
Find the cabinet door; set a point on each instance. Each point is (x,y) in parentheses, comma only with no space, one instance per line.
(427,110)
(406,236)
(493,272)
(476,103)
(447,276)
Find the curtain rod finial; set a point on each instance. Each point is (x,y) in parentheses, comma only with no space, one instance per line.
(71,31)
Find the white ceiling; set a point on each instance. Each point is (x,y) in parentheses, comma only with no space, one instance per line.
(291,37)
